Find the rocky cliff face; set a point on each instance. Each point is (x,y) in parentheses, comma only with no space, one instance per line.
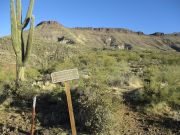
(110,30)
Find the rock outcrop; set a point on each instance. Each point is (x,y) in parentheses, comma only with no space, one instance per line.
(140,33)
(112,42)
(64,40)
(125,46)
(158,34)
(52,23)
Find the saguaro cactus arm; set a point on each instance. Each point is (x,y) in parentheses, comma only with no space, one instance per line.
(29,14)
(19,12)
(14,28)
(29,41)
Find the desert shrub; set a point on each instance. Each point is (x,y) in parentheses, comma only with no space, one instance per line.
(133,56)
(135,81)
(171,59)
(163,58)
(106,61)
(121,55)
(125,55)
(95,116)
(67,64)
(161,108)
(95,107)
(32,73)
(119,75)
(6,75)
(94,104)
(27,90)
(162,84)
(7,90)
(115,79)
(45,71)
(88,59)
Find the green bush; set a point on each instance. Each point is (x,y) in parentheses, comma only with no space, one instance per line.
(162,83)
(32,73)
(6,75)
(95,109)
(119,75)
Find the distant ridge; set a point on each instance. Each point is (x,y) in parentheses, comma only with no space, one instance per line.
(55,24)
(88,37)
(122,30)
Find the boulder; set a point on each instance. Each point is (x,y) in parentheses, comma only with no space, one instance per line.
(128,46)
(140,33)
(64,40)
(110,41)
(125,46)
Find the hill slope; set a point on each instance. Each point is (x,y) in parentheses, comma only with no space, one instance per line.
(49,35)
(99,37)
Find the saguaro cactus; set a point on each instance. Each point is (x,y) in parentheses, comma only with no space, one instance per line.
(21,49)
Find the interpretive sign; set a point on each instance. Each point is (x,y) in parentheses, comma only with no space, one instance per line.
(65,75)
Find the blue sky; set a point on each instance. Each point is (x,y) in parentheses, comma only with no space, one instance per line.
(139,15)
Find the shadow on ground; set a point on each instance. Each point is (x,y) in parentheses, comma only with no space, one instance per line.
(162,122)
(52,111)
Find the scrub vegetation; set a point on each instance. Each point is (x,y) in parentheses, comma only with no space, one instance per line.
(113,83)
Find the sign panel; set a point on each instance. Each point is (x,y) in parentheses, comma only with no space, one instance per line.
(65,75)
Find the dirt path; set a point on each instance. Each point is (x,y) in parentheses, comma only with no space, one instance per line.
(133,122)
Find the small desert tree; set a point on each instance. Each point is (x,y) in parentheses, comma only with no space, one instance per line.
(21,49)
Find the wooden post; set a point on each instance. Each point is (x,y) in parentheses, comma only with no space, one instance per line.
(33,116)
(70,108)
(66,76)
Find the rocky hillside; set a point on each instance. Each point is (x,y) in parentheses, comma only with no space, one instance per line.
(106,37)
(114,37)
(53,34)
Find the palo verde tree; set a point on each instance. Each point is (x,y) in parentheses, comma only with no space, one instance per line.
(21,48)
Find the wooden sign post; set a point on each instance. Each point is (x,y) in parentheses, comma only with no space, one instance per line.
(66,76)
